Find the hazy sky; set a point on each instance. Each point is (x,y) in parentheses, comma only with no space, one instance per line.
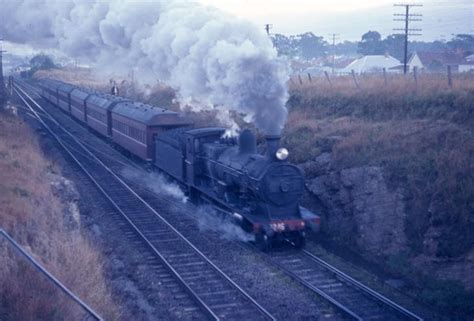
(350,18)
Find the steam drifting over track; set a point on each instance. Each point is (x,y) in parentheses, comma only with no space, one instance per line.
(218,296)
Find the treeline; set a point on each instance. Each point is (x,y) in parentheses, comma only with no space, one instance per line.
(308,45)
(39,62)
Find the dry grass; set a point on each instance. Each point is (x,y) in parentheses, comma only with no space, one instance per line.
(396,83)
(423,139)
(157,94)
(400,99)
(40,221)
(77,76)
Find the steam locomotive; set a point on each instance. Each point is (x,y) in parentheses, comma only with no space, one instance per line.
(259,192)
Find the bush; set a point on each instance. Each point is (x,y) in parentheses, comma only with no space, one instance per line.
(448,296)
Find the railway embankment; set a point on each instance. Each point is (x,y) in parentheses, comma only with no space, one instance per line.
(38,208)
(391,170)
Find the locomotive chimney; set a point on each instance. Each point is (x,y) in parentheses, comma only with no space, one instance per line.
(247,142)
(273,142)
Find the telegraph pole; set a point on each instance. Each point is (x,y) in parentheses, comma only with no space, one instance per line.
(334,36)
(267,28)
(3,96)
(407,18)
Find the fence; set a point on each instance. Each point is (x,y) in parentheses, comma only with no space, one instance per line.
(76,310)
(414,80)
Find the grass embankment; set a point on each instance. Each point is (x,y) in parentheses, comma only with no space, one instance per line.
(421,136)
(48,227)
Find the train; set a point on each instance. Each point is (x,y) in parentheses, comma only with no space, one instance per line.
(258,191)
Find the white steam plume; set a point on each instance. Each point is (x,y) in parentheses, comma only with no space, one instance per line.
(217,59)
(155,182)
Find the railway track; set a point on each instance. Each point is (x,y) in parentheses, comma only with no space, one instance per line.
(347,295)
(216,294)
(354,299)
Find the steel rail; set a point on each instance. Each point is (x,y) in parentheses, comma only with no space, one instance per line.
(49,276)
(363,287)
(137,230)
(353,282)
(124,184)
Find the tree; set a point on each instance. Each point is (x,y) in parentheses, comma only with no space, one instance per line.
(42,61)
(311,45)
(394,45)
(462,43)
(39,62)
(371,44)
(284,45)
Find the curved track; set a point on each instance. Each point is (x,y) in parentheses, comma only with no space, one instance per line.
(218,296)
(354,299)
(347,295)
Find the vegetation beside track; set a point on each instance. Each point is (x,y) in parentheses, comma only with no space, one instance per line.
(38,209)
(421,137)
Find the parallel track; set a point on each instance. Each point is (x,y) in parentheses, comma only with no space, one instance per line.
(213,291)
(352,298)
(356,300)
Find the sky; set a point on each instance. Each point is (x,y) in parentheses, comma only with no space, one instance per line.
(350,19)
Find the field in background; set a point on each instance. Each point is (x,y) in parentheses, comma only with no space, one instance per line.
(37,208)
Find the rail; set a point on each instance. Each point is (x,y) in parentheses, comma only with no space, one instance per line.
(203,305)
(363,287)
(91,313)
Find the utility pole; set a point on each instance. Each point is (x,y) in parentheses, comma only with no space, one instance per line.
(407,18)
(267,28)
(334,36)
(3,96)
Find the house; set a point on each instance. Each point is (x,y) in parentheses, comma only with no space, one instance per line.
(470,58)
(438,62)
(327,66)
(468,65)
(374,63)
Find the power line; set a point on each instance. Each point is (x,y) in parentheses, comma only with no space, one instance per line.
(408,17)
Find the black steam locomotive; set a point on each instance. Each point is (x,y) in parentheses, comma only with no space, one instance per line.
(260,192)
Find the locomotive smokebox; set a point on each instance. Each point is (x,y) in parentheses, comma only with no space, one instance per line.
(273,142)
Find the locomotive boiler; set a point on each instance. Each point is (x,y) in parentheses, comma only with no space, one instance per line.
(263,191)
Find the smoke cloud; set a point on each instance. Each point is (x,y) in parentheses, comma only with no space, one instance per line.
(209,220)
(209,56)
(154,182)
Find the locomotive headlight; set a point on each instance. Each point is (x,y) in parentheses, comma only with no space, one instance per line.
(282,153)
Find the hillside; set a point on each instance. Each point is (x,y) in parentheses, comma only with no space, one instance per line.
(391,169)
(38,208)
